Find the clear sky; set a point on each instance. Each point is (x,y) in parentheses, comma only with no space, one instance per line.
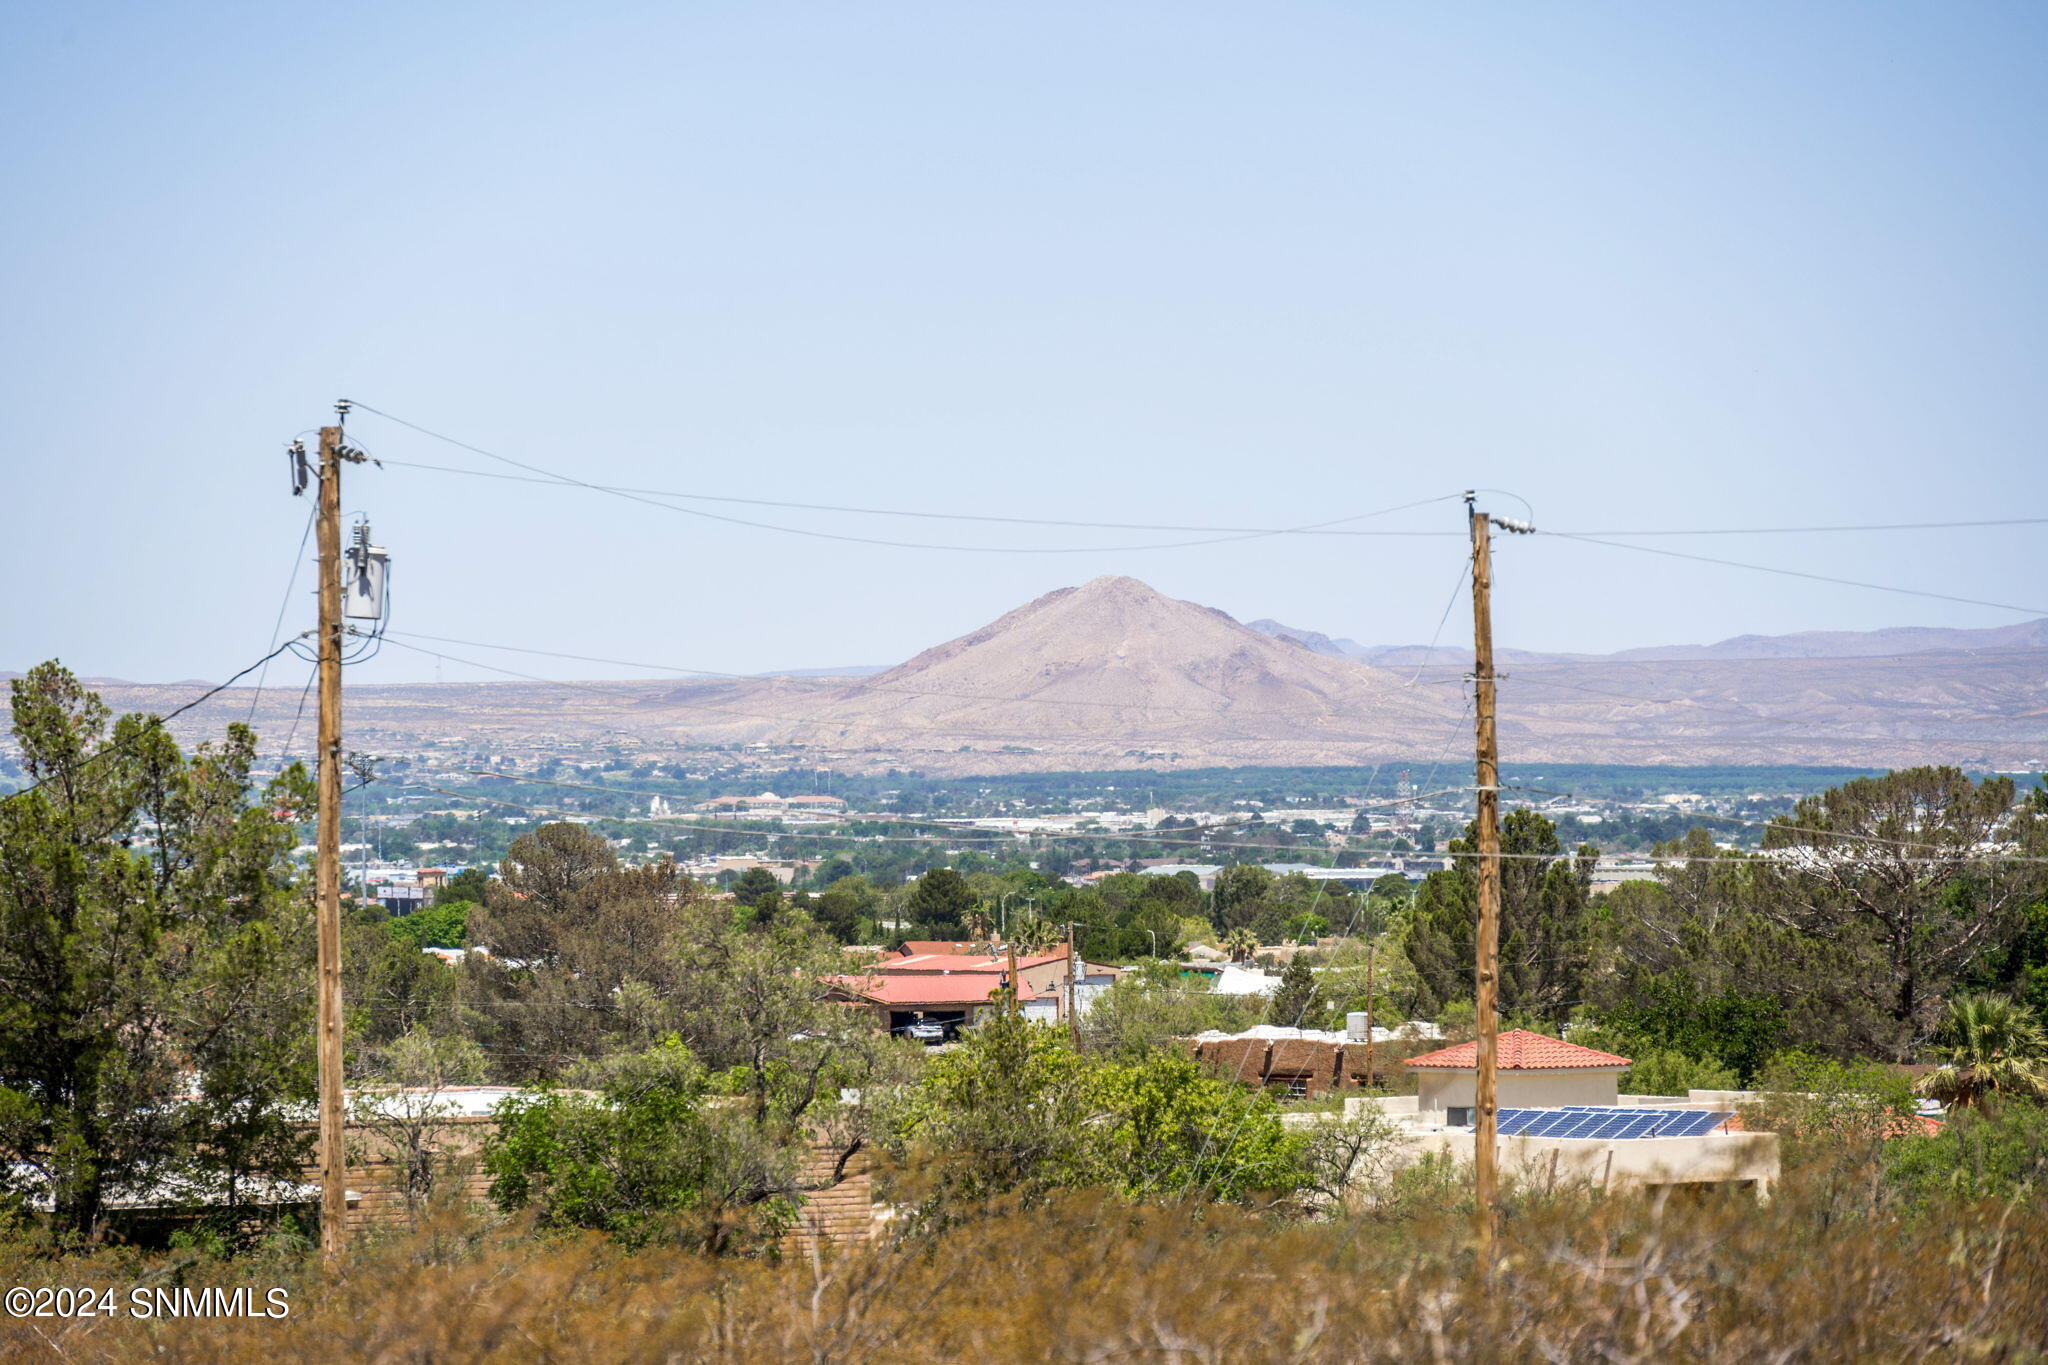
(1647,266)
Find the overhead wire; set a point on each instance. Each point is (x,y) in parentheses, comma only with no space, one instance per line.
(651,501)
(1793,573)
(284,605)
(546,477)
(154,723)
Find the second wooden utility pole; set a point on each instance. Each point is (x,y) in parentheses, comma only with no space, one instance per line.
(327,866)
(1486,976)
(1486,979)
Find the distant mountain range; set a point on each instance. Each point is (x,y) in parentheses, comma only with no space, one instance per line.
(1113,674)
(1811,644)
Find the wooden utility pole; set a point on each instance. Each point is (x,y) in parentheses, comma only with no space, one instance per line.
(327,868)
(1010,947)
(1487,972)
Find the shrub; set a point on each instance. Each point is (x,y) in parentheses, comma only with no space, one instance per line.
(651,1156)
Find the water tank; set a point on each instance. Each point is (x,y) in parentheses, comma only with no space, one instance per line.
(1354,1026)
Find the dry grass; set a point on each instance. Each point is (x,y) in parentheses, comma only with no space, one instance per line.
(1577,1279)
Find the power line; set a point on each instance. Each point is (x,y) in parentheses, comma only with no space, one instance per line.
(156,722)
(284,604)
(551,475)
(1821,530)
(1796,573)
(906,512)
(545,477)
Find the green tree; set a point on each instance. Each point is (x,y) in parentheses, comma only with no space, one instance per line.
(1989,1046)
(406,1111)
(651,1156)
(1015,1112)
(466,887)
(1999,1153)
(1669,1012)
(154,960)
(1896,862)
(1299,1001)
(1146,1008)
(583,953)
(940,902)
(441,925)
(1693,962)
(844,905)
(1241,893)
(757,886)
(1661,1071)
(1545,929)
(390,987)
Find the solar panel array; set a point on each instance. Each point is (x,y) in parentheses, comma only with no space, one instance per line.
(1597,1121)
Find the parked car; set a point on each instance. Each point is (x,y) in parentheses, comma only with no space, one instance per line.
(926,1031)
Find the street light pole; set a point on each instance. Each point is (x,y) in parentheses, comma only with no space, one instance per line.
(1073,1018)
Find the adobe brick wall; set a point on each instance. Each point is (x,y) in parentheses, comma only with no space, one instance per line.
(1325,1066)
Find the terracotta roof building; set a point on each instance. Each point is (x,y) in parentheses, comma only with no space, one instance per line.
(1533,1072)
(1520,1050)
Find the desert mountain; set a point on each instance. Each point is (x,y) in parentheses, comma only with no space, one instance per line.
(1314,639)
(1112,674)
(1103,671)
(1811,644)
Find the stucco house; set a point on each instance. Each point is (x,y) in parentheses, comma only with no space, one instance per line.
(1531,1072)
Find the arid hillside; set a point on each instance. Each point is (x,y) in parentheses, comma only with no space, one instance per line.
(1113,674)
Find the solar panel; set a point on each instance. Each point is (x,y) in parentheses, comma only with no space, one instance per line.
(1608,1123)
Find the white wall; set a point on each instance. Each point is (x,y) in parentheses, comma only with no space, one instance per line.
(1436,1091)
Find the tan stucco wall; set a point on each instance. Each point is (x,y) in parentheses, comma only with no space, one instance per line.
(1715,1158)
(1436,1091)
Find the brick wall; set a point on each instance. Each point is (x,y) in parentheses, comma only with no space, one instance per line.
(1323,1067)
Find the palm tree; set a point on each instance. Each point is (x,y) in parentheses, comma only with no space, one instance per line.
(979,924)
(1036,935)
(1989,1045)
(1241,943)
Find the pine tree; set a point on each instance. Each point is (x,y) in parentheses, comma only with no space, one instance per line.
(155,961)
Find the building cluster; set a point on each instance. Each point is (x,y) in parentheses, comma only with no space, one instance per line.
(769,806)
(1561,1114)
(931,989)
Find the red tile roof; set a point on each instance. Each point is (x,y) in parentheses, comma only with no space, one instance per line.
(1519,1050)
(916,989)
(960,962)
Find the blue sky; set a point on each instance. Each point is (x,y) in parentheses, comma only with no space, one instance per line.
(1647,267)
